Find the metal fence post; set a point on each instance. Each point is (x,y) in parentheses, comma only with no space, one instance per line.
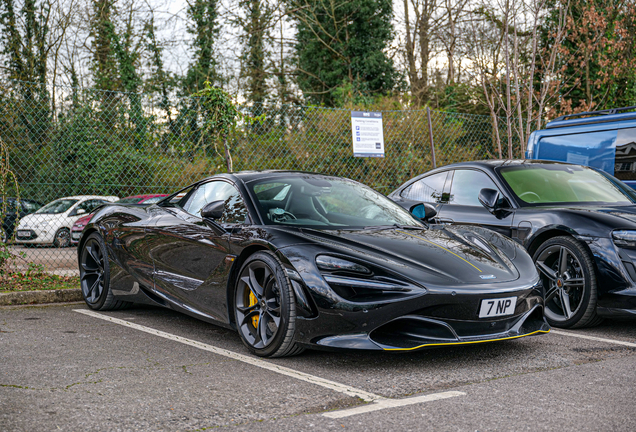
(430,134)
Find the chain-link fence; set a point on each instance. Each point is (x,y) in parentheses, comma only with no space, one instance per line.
(93,146)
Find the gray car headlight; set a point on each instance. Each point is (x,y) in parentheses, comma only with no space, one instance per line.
(624,238)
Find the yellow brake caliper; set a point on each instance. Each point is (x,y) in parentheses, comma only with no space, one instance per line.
(253,300)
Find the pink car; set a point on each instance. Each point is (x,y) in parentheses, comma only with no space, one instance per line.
(78,226)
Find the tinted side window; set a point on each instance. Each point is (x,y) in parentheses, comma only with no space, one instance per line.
(625,165)
(90,205)
(29,207)
(428,189)
(466,186)
(235,210)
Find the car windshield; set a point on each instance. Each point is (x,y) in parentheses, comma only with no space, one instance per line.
(57,206)
(545,184)
(321,202)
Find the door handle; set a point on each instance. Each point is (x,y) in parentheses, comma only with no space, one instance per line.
(445,221)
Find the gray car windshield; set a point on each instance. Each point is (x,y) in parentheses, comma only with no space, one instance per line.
(323,202)
(57,206)
(546,184)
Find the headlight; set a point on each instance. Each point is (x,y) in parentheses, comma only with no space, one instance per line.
(329,263)
(624,238)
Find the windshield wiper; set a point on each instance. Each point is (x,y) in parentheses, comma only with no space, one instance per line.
(394,226)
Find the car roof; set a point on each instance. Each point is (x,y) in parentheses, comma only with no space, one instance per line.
(83,197)
(145,196)
(495,163)
(247,176)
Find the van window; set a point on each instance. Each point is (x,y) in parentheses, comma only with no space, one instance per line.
(595,149)
(625,166)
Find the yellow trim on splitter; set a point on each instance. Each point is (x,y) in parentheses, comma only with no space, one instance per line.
(465,343)
(441,247)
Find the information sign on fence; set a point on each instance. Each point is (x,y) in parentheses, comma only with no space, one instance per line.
(368,136)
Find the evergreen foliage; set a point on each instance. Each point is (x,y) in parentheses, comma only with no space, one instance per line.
(24,44)
(204,27)
(254,25)
(343,44)
(104,65)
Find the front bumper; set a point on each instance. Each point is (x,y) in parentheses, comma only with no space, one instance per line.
(413,332)
(35,236)
(616,278)
(441,316)
(76,236)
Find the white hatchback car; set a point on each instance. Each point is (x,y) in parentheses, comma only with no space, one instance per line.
(52,223)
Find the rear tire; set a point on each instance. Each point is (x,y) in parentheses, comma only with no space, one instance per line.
(569,279)
(95,275)
(265,307)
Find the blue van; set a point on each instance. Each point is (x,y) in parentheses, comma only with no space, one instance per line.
(601,139)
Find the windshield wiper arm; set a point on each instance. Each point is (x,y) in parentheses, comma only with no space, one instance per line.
(394,226)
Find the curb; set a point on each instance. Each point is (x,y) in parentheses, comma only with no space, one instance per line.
(40,297)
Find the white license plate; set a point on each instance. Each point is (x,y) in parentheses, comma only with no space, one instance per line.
(76,235)
(23,233)
(497,307)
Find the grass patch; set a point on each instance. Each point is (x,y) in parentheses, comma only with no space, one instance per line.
(11,282)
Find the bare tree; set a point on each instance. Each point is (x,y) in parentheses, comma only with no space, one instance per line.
(419,30)
(519,76)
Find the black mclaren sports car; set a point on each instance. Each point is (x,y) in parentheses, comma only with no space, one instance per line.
(294,260)
(578,223)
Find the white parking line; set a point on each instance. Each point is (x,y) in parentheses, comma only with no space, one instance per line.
(342,388)
(594,338)
(392,403)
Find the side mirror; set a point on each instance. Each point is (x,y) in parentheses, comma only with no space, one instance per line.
(213,210)
(80,211)
(424,211)
(492,200)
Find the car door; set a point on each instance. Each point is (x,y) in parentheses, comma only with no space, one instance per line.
(190,255)
(431,189)
(463,205)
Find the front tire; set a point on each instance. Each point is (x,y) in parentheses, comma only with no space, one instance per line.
(569,279)
(95,275)
(265,307)
(62,238)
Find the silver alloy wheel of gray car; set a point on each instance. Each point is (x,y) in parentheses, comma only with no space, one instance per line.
(569,281)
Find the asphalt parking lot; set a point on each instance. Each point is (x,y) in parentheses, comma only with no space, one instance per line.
(67,368)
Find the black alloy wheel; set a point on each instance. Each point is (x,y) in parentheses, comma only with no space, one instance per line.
(95,275)
(265,309)
(62,238)
(569,282)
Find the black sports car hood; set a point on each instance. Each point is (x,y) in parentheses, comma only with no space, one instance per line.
(470,255)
